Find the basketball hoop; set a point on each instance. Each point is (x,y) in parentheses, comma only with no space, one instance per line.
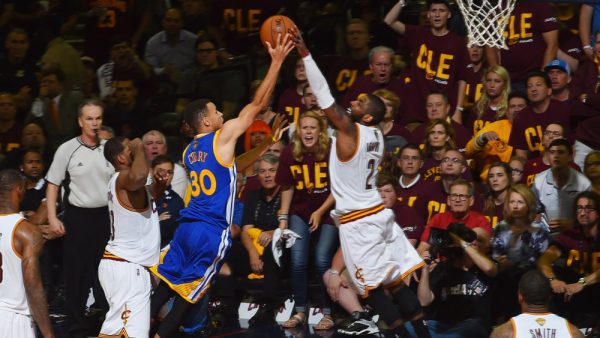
(486,21)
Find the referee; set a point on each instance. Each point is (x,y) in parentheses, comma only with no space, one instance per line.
(80,168)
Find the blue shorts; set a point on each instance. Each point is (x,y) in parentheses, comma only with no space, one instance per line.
(193,258)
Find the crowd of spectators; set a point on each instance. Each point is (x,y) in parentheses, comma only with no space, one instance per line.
(506,142)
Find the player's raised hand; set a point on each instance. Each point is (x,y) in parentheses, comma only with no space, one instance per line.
(282,49)
(298,41)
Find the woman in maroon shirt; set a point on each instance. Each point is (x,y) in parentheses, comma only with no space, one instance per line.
(440,137)
(305,203)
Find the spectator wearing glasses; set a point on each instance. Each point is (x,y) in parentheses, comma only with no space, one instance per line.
(592,169)
(569,264)
(518,242)
(517,164)
(538,164)
(452,167)
(460,201)
(556,187)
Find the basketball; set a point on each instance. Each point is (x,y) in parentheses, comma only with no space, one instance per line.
(271,28)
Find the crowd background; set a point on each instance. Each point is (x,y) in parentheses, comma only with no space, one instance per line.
(506,142)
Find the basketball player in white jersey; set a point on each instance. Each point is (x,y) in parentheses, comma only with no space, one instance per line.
(22,294)
(134,242)
(535,321)
(376,252)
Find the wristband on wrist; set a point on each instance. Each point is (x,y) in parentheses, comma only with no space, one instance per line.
(588,47)
(550,279)
(460,109)
(333,272)
(282,217)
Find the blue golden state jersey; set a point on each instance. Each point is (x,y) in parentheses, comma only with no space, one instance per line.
(212,182)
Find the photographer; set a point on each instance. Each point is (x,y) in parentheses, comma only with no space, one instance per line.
(460,201)
(456,291)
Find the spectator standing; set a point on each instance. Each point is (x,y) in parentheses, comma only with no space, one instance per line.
(171,51)
(305,204)
(440,58)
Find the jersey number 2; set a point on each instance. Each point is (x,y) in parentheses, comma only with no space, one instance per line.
(371,168)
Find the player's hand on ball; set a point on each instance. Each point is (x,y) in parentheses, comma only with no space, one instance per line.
(282,49)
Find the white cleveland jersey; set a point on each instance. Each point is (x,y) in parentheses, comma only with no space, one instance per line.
(353,182)
(12,288)
(544,325)
(135,234)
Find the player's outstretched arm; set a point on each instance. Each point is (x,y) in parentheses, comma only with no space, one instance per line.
(233,128)
(338,116)
(29,243)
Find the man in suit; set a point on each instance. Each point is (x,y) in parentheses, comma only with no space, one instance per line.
(56,108)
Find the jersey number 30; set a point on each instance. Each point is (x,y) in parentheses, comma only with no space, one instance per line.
(200,185)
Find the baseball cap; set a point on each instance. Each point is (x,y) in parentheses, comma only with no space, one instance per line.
(558,64)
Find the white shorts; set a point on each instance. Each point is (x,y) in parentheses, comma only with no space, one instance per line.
(127,288)
(16,325)
(376,251)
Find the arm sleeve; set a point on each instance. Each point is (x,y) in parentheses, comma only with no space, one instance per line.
(318,83)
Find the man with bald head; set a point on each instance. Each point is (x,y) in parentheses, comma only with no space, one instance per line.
(155,143)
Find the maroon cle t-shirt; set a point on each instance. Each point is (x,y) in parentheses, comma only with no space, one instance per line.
(439,63)
(310,180)
(526,45)
(290,104)
(528,126)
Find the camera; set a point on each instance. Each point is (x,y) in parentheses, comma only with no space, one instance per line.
(443,245)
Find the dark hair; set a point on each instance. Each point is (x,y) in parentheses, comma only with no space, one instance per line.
(160,159)
(8,179)
(89,102)
(535,288)
(438,92)
(562,142)
(591,195)
(375,108)
(489,205)
(443,2)
(30,150)
(384,178)
(463,182)
(194,111)
(205,37)
(411,146)
(60,75)
(539,73)
(517,93)
(112,148)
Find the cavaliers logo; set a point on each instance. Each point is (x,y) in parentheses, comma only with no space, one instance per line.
(359,275)
(540,321)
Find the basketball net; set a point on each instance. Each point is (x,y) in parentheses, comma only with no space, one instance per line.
(486,21)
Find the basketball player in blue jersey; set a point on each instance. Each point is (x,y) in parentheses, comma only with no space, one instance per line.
(195,255)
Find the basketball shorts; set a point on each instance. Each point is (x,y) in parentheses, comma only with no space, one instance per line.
(194,258)
(127,288)
(376,251)
(16,325)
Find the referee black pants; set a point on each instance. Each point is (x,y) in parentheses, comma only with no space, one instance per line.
(87,232)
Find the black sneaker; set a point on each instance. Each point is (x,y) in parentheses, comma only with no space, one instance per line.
(264,316)
(360,324)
